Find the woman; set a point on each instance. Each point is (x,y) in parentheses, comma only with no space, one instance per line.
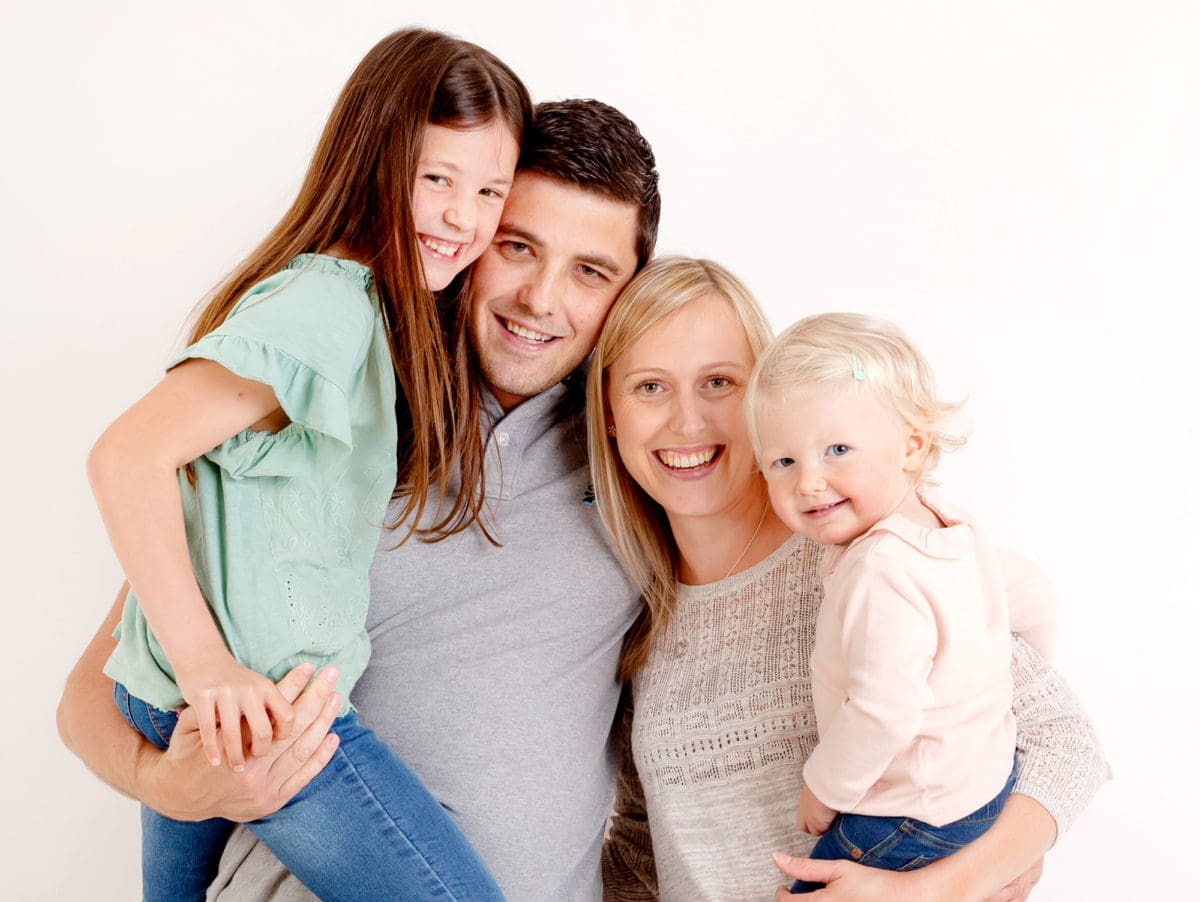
(722,719)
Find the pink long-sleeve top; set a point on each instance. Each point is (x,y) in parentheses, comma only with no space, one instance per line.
(910,670)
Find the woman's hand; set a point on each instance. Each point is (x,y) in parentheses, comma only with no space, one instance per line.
(848,881)
(852,882)
(1019,889)
(220,692)
(180,783)
(814,816)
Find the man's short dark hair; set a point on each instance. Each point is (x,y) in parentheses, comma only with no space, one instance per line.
(595,146)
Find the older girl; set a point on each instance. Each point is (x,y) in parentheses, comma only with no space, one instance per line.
(243,495)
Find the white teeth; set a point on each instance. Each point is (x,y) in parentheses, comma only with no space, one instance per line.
(686,461)
(441,247)
(528,335)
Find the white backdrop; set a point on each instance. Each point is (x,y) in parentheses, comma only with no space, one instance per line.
(1015,183)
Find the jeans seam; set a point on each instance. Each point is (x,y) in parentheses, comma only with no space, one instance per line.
(383,810)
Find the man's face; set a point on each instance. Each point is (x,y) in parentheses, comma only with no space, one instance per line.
(541,291)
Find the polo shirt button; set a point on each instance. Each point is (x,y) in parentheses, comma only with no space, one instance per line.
(502,438)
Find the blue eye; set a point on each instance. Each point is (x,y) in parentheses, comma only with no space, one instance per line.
(837,450)
(781,463)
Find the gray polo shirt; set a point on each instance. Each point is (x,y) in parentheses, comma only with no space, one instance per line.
(492,671)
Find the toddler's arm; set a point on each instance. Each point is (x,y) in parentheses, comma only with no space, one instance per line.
(133,471)
(1032,612)
(888,637)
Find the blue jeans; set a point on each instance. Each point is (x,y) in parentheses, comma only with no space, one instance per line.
(364,828)
(901,843)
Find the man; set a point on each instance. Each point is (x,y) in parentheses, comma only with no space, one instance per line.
(493,667)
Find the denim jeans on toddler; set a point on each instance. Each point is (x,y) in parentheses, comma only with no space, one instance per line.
(365,828)
(901,843)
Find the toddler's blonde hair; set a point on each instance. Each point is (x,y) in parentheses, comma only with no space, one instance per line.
(870,355)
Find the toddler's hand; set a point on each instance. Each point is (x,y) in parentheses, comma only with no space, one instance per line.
(223,693)
(814,816)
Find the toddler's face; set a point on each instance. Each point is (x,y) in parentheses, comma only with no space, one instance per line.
(836,461)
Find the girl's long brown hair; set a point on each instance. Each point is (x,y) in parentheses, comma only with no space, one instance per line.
(357,197)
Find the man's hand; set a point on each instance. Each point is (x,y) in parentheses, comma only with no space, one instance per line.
(814,816)
(181,784)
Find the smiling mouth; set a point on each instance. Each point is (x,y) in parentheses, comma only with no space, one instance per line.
(446,249)
(822,509)
(691,460)
(526,334)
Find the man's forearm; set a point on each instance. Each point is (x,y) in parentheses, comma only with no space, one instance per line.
(90,724)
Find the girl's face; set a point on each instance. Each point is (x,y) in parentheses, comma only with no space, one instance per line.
(836,461)
(463,176)
(675,398)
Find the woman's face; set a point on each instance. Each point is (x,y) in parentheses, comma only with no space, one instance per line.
(675,398)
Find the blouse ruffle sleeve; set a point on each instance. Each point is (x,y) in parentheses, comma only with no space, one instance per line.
(305,334)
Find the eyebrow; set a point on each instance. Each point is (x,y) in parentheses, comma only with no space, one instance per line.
(596,261)
(642,372)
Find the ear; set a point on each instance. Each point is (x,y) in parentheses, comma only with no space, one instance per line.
(916,448)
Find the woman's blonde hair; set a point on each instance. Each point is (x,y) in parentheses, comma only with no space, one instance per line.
(636,522)
(872,356)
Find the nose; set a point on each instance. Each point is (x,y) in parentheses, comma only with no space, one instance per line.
(541,294)
(809,478)
(687,414)
(460,211)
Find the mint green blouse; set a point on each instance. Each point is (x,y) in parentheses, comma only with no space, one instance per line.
(282,526)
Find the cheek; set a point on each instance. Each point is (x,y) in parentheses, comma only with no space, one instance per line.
(420,206)
(487,223)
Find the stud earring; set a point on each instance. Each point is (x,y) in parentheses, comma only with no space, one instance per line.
(612,430)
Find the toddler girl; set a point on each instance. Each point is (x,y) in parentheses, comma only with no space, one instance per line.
(910,666)
(244,494)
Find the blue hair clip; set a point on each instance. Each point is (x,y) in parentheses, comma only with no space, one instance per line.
(856,369)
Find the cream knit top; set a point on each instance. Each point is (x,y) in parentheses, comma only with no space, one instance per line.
(723,722)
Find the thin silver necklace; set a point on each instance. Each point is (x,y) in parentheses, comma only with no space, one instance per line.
(753,536)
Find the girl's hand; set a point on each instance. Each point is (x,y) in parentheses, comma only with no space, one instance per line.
(180,783)
(814,816)
(222,693)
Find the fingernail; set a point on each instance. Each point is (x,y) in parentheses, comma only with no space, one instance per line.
(332,675)
(215,762)
(238,768)
(335,701)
